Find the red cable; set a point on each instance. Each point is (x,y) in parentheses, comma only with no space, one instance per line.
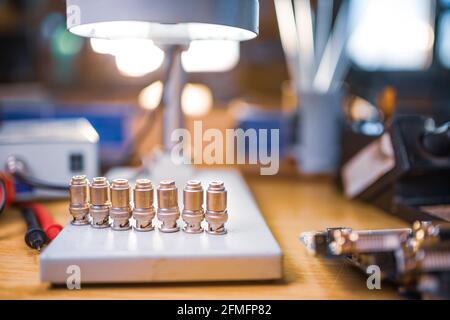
(46,221)
(10,189)
(51,228)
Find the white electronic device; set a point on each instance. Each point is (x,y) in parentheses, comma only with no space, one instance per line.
(52,151)
(247,252)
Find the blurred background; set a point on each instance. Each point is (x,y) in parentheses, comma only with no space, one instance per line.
(397,61)
(37,49)
(45,71)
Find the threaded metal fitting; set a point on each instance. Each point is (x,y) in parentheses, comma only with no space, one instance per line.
(354,242)
(193,212)
(168,211)
(79,204)
(144,211)
(120,212)
(216,208)
(100,204)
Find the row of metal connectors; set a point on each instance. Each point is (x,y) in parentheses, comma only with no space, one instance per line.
(98,202)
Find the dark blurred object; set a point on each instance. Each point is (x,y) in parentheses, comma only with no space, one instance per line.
(405,172)
(436,141)
(17,59)
(353,142)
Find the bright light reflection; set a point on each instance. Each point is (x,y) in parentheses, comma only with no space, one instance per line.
(392,34)
(150,97)
(211,56)
(104,46)
(134,57)
(196,100)
(138,57)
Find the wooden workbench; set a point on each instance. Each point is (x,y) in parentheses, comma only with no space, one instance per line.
(290,206)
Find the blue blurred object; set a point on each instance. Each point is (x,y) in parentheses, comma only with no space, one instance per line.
(113,122)
(254,117)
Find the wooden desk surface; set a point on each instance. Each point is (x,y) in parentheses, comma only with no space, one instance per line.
(290,207)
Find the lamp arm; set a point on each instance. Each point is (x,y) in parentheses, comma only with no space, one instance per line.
(173,116)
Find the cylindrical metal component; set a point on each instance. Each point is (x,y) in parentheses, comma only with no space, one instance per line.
(216,208)
(120,212)
(430,261)
(193,212)
(353,243)
(144,211)
(79,205)
(100,204)
(168,211)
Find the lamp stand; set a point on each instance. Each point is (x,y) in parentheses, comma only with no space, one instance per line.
(173,116)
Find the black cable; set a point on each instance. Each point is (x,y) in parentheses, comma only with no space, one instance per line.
(17,168)
(3,194)
(36,183)
(35,237)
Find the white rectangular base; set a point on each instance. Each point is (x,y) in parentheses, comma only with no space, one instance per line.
(247,252)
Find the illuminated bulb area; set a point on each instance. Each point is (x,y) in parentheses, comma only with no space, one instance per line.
(138,57)
(104,46)
(136,64)
(211,56)
(151,96)
(392,34)
(167,33)
(196,100)
(134,57)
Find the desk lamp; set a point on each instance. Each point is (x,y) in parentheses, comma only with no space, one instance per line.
(171,24)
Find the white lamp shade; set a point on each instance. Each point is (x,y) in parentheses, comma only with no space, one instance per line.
(164,21)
